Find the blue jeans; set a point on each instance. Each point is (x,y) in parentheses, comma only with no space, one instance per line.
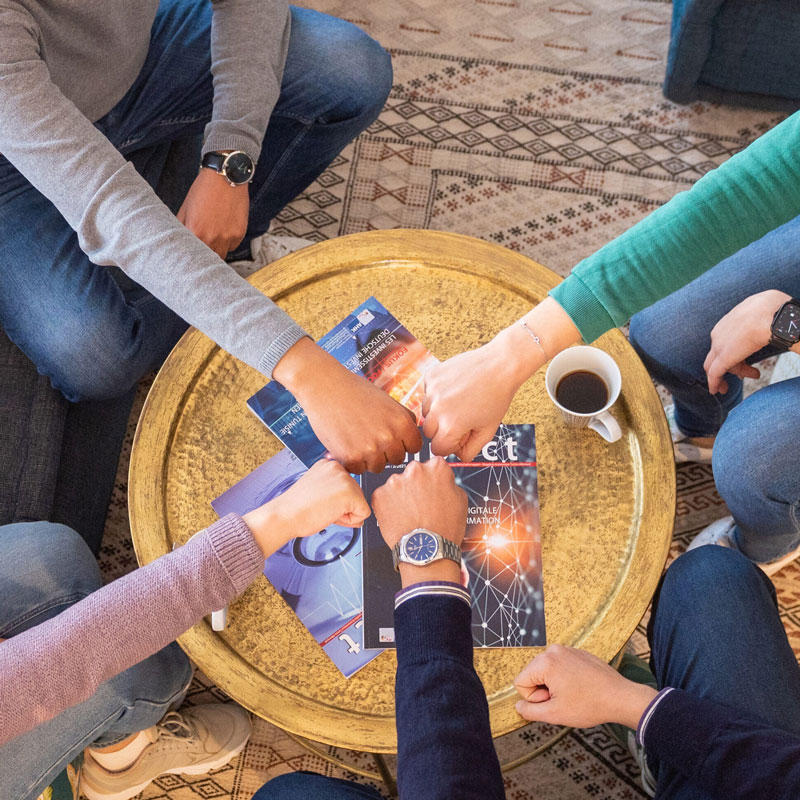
(91,330)
(715,632)
(756,462)
(44,569)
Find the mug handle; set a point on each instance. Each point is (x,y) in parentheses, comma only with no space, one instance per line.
(606,426)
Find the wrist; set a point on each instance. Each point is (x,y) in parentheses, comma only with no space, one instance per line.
(631,702)
(270,527)
(443,570)
(299,365)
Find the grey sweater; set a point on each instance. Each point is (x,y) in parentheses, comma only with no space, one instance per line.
(60,663)
(63,65)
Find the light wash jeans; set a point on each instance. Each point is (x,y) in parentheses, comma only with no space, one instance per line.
(757,450)
(44,569)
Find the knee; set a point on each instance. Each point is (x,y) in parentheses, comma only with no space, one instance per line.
(51,559)
(696,579)
(745,456)
(291,786)
(646,336)
(91,366)
(355,71)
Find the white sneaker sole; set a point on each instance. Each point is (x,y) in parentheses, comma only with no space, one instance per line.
(198,769)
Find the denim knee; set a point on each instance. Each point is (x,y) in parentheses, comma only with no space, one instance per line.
(355,70)
(46,567)
(689,578)
(291,786)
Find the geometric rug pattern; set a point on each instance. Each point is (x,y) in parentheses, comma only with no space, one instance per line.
(540,126)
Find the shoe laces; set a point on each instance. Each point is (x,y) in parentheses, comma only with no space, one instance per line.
(175,726)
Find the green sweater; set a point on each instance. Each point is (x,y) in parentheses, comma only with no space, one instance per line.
(745,198)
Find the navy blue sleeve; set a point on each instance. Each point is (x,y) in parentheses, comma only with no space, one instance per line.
(445,748)
(728,756)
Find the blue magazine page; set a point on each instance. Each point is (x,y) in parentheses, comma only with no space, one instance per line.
(501,549)
(370,342)
(319,576)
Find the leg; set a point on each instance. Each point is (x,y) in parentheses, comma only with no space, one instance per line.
(335,84)
(92,337)
(715,632)
(303,785)
(756,471)
(45,568)
(672,337)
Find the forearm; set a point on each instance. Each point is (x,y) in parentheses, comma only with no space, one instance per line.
(445,745)
(247,76)
(61,662)
(751,194)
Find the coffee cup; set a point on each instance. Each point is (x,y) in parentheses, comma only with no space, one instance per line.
(583,383)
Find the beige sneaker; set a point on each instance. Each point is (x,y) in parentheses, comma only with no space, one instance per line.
(191,742)
(719,533)
(266,249)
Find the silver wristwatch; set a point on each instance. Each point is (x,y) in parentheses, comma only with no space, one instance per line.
(421,547)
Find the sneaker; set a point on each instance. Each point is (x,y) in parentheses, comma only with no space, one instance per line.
(684,450)
(266,249)
(638,671)
(192,742)
(719,532)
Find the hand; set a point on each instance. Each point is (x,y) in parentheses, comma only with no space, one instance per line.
(325,495)
(744,330)
(566,686)
(361,426)
(467,396)
(216,212)
(424,495)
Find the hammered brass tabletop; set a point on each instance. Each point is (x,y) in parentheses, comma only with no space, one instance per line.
(607,510)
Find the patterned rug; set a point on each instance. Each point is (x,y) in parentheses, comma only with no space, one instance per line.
(540,126)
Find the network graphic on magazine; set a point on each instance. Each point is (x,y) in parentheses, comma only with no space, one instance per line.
(341,582)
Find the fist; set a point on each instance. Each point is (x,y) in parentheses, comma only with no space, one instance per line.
(325,495)
(424,495)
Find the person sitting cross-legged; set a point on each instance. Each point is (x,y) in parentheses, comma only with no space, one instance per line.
(725,724)
(95,671)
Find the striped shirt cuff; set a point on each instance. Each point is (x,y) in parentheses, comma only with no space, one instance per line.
(648,713)
(445,588)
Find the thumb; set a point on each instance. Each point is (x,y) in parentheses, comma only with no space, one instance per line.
(473,443)
(744,370)
(536,712)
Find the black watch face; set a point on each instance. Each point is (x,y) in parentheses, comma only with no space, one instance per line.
(239,168)
(787,325)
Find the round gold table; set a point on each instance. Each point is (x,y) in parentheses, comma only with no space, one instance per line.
(607,510)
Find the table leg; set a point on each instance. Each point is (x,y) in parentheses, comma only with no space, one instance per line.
(386,775)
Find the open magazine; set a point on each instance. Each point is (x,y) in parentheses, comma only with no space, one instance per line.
(501,549)
(370,342)
(318,576)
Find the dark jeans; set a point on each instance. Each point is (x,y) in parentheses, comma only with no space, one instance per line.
(714,631)
(92,331)
(756,466)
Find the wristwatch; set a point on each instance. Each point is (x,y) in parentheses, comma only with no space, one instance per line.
(785,328)
(422,547)
(236,167)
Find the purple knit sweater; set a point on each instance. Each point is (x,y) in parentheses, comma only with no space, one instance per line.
(61,662)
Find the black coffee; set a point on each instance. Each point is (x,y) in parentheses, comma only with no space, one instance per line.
(582,392)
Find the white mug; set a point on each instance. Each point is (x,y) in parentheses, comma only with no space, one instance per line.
(587,359)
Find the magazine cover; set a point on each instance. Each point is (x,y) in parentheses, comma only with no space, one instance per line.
(369,342)
(501,549)
(318,576)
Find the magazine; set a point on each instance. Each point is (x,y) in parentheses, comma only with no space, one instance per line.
(369,342)
(318,576)
(501,549)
